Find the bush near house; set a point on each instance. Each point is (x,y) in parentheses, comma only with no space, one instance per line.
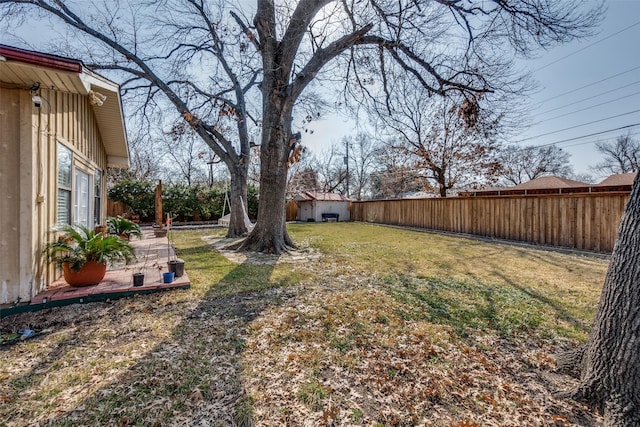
(185,202)
(138,195)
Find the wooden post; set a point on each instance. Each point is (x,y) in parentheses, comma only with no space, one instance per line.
(160,231)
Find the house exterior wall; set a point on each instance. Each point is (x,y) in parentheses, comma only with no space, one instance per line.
(15,143)
(29,139)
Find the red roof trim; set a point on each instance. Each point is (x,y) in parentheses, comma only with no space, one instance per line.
(42,59)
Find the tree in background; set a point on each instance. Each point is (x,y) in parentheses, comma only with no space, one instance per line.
(522,164)
(395,174)
(185,150)
(452,142)
(360,152)
(302,180)
(302,176)
(144,161)
(621,156)
(331,170)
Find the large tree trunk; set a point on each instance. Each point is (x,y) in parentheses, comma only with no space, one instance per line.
(610,377)
(270,233)
(237,197)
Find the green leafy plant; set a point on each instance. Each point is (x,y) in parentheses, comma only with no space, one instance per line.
(79,245)
(139,196)
(120,226)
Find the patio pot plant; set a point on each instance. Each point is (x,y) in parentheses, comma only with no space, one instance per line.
(175,265)
(138,279)
(119,226)
(139,269)
(83,253)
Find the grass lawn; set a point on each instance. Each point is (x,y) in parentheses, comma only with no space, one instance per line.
(387,327)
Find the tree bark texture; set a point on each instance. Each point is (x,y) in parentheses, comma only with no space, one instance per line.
(270,233)
(237,197)
(610,379)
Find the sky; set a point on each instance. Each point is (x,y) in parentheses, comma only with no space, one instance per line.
(604,68)
(587,87)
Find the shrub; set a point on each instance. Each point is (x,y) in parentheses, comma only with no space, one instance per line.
(138,195)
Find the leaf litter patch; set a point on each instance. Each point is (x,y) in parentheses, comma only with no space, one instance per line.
(345,354)
(228,248)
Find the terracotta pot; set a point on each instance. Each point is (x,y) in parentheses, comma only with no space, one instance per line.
(91,273)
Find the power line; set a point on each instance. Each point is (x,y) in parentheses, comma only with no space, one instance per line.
(588,46)
(588,98)
(594,141)
(589,135)
(591,106)
(580,125)
(588,85)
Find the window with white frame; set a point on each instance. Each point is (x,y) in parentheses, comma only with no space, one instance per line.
(79,191)
(65,162)
(97,191)
(82,199)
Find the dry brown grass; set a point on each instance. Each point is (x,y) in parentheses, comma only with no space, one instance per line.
(388,327)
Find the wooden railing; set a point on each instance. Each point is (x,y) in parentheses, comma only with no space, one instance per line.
(581,221)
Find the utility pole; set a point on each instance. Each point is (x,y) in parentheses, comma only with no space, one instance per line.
(346,162)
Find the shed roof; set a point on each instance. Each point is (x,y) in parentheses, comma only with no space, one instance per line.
(548,182)
(619,179)
(24,68)
(320,196)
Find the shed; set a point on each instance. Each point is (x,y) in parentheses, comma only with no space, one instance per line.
(61,126)
(318,206)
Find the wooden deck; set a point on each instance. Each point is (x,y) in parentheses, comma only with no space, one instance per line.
(153,254)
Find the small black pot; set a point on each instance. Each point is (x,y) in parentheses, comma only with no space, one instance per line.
(177,266)
(138,279)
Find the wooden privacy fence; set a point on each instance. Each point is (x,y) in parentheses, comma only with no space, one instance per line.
(116,208)
(292,211)
(581,221)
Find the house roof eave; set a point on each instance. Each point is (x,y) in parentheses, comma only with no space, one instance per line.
(24,68)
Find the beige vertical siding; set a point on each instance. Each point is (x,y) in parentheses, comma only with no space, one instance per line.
(74,125)
(28,168)
(581,221)
(10,242)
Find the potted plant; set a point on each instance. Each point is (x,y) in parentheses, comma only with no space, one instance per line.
(175,264)
(138,279)
(120,226)
(139,270)
(83,253)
